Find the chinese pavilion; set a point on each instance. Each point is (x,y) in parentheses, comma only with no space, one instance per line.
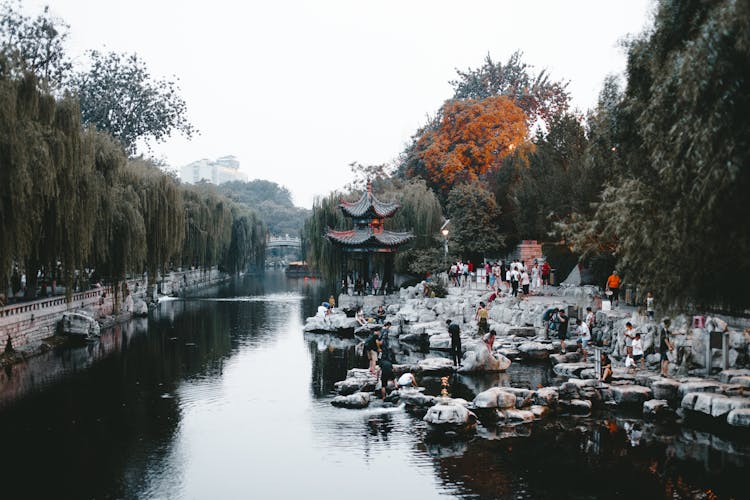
(369,247)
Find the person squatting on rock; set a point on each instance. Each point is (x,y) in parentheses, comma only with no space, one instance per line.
(373,348)
(489,340)
(455,333)
(606,364)
(380,314)
(665,345)
(481,317)
(548,320)
(407,380)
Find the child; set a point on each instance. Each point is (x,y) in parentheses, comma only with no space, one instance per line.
(650,306)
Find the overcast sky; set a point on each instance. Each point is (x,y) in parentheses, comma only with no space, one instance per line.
(298,90)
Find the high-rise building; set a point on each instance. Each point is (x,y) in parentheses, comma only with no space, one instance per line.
(224,169)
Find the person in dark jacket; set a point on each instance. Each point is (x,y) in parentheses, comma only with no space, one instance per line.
(455,332)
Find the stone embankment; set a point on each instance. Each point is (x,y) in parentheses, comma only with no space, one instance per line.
(29,327)
(522,337)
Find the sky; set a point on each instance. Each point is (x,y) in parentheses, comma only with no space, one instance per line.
(297,90)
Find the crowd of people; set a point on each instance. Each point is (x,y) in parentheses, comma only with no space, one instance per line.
(501,276)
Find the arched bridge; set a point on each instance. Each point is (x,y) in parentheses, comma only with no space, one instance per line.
(285,241)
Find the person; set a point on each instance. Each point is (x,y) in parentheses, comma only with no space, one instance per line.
(584,336)
(515,277)
(375,284)
(590,319)
(665,345)
(548,319)
(465,274)
(386,375)
(629,336)
(380,314)
(481,318)
(650,306)
(360,317)
(613,285)
(535,280)
(373,348)
(452,273)
(455,333)
(332,301)
(525,281)
(489,340)
(606,364)
(562,328)
(470,266)
(385,341)
(407,380)
(638,350)
(546,270)
(487,273)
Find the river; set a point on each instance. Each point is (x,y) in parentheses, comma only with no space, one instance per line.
(222,396)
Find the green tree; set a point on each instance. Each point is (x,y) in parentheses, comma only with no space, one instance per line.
(118,95)
(474,213)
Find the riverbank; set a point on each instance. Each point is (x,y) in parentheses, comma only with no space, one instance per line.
(28,329)
(705,378)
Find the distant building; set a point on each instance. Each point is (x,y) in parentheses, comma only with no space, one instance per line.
(224,169)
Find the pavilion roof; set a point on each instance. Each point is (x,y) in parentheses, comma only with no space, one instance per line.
(369,206)
(366,237)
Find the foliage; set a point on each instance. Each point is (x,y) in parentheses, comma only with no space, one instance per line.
(473,212)
(472,138)
(364,173)
(272,202)
(34,45)
(438,289)
(538,96)
(682,158)
(118,95)
(421,261)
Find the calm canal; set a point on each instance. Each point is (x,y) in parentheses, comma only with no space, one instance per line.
(222,396)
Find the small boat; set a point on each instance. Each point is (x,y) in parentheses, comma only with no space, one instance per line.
(79,326)
(300,269)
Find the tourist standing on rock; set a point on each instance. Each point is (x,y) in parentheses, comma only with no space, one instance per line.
(638,354)
(465,274)
(584,336)
(487,274)
(385,341)
(525,281)
(515,276)
(386,375)
(629,336)
(613,285)
(665,345)
(562,328)
(373,348)
(546,269)
(535,280)
(650,306)
(455,333)
(481,318)
(375,284)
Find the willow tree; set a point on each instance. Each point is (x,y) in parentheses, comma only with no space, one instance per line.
(163,214)
(208,226)
(319,251)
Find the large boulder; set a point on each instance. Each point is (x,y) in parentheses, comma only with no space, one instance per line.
(513,416)
(715,405)
(336,322)
(739,418)
(447,416)
(79,325)
(570,369)
(479,359)
(495,397)
(536,351)
(698,385)
(357,379)
(575,406)
(436,365)
(522,331)
(415,401)
(668,389)
(546,396)
(657,409)
(631,394)
(727,376)
(140,308)
(356,400)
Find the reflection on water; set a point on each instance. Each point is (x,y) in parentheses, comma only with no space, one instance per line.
(222,396)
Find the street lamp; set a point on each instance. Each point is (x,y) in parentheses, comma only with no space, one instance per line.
(444,230)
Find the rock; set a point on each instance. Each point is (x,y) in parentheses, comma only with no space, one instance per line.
(575,406)
(441,341)
(356,400)
(540,411)
(570,369)
(727,376)
(495,397)
(524,397)
(448,417)
(698,386)
(518,416)
(536,351)
(357,379)
(588,373)
(715,405)
(668,389)
(630,394)
(546,396)
(657,409)
(413,399)
(522,331)
(414,338)
(479,359)
(743,382)
(436,365)
(739,418)
(337,322)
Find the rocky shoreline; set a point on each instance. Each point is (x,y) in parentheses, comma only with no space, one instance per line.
(417,321)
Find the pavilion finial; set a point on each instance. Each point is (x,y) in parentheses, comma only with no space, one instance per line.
(369,186)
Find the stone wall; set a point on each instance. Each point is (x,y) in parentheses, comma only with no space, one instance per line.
(28,323)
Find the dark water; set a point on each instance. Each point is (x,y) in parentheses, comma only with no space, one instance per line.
(222,396)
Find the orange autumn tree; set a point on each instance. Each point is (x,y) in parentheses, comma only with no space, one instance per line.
(473,137)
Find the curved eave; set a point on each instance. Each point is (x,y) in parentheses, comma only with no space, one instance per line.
(366,238)
(369,206)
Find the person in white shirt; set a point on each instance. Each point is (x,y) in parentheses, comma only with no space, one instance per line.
(638,351)
(525,282)
(584,335)
(407,380)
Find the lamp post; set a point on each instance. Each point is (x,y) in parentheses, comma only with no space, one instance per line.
(445,246)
